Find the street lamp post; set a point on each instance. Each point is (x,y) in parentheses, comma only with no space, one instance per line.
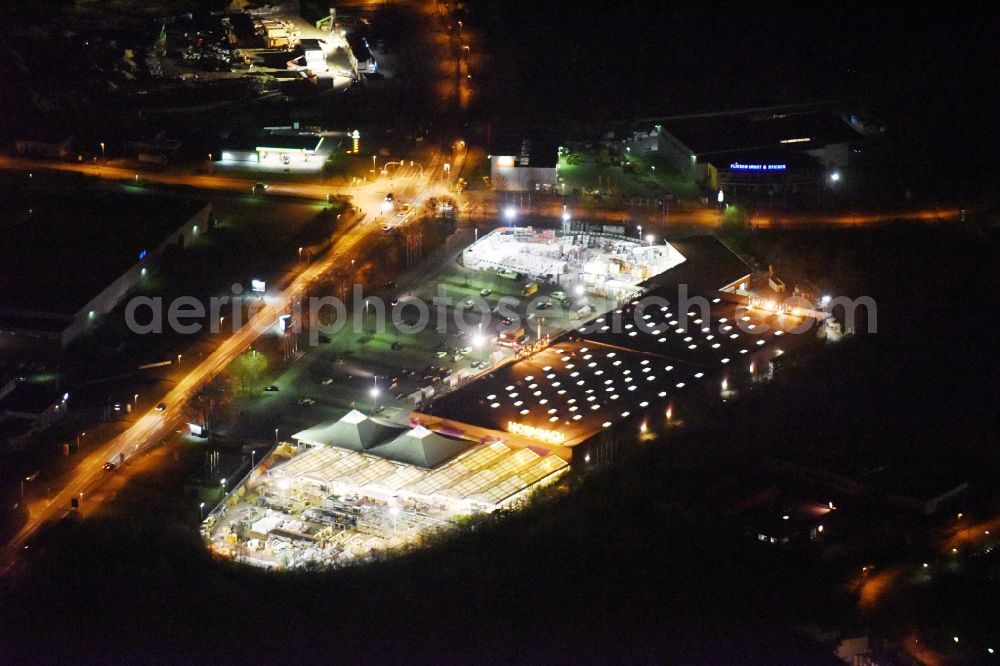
(640,231)
(201,507)
(275,435)
(222,489)
(102,152)
(253,456)
(374,395)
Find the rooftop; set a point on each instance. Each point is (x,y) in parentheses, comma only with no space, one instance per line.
(52,243)
(634,360)
(528,152)
(290,141)
(29,398)
(727,134)
(487,473)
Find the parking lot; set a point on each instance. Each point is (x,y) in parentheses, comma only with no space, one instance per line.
(380,368)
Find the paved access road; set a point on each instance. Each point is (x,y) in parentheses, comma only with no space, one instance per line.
(151,427)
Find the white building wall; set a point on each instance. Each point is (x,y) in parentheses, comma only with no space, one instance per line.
(518,178)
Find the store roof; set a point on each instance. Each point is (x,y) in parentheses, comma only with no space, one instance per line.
(353,431)
(488,473)
(421,447)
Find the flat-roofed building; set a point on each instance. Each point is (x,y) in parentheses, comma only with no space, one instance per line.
(685,333)
(523,164)
(70,259)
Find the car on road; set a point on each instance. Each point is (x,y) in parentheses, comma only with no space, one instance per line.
(110,466)
(162,407)
(307,402)
(390,197)
(441,354)
(463,350)
(326,381)
(271,389)
(468,304)
(544,305)
(560,297)
(260,188)
(485,292)
(390,285)
(479,365)
(386,228)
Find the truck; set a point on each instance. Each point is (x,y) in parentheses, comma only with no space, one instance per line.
(511,338)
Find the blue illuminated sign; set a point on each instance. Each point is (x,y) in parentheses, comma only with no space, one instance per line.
(739,166)
(142,255)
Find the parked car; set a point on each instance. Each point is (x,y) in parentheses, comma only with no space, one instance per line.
(271,389)
(162,407)
(260,188)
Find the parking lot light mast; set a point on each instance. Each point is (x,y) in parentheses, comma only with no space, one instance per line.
(275,435)
(201,507)
(374,395)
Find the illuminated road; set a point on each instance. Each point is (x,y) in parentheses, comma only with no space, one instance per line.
(153,426)
(215,181)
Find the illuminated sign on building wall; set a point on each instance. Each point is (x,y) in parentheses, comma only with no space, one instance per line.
(541,434)
(739,166)
(505,161)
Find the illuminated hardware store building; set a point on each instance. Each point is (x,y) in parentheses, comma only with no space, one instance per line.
(628,365)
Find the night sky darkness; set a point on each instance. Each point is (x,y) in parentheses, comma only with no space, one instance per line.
(929,73)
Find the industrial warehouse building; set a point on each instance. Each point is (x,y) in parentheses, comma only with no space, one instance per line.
(524,164)
(748,155)
(70,259)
